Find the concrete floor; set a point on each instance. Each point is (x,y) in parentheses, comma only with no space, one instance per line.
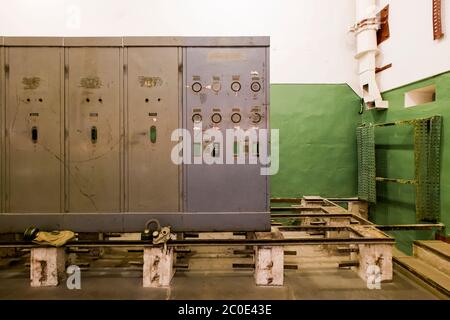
(325,283)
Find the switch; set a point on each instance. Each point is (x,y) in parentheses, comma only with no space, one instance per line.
(153,134)
(94,134)
(255,86)
(216,118)
(196,87)
(256,117)
(34,134)
(236,118)
(197,118)
(235,86)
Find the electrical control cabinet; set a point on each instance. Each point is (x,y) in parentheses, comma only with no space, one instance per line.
(226,90)
(90,133)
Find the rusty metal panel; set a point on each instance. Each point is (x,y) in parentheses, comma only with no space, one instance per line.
(94,129)
(226,88)
(34,163)
(153,113)
(383,32)
(437,20)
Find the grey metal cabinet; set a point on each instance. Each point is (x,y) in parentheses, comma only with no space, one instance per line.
(94,129)
(226,89)
(86,132)
(152,89)
(34,136)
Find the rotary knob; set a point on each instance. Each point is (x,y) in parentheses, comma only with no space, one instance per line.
(235,86)
(216,118)
(236,118)
(255,86)
(196,87)
(197,117)
(256,117)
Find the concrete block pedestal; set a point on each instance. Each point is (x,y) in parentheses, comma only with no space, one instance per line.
(158,267)
(269,260)
(47,266)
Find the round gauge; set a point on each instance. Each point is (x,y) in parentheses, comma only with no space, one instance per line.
(255,86)
(196,87)
(197,117)
(256,117)
(236,118)
(215,86)
(235,86)
(216,117)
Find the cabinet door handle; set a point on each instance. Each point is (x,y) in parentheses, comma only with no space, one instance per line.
(94,134)
(153,134)
(34,134)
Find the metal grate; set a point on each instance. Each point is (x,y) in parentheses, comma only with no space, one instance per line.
(427,138)
(366,163)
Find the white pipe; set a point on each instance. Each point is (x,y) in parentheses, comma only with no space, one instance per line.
(365,29)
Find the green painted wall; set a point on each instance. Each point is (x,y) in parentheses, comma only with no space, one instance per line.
(317,139)
(395,204)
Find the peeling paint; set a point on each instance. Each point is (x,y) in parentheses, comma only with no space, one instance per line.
(150,82)
(31,83)
(91,83)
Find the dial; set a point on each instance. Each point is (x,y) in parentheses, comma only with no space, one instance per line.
(197,117)
(216,117)
(196,87)
(255,86)
(235,86)
(236,118)
(256,117)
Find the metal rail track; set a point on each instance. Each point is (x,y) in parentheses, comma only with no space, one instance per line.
(207,242)
(317,213)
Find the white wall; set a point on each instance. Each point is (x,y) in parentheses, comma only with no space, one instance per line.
(411,49)
(309,40)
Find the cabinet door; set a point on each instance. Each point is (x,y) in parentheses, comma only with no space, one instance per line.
(225,89)
(94,110)
(153,113)
(34,144)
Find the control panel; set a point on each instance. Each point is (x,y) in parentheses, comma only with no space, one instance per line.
(226,92)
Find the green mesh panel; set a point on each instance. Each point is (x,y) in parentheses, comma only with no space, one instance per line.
(427,138)
(366,163)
